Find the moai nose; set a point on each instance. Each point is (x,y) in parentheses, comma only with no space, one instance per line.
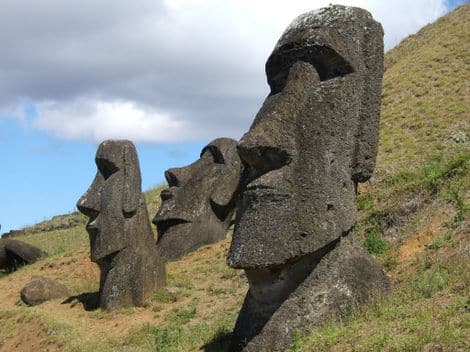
(263,157)
(173,177)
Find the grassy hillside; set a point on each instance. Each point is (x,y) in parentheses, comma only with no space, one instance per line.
(414,218)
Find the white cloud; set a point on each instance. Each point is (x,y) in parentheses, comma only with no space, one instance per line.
(96,120)
(158,70)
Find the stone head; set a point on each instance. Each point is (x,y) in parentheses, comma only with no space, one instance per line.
(198,205)
(313,140)
(112,199)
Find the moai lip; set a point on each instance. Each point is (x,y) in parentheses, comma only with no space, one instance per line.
(198,206)
(121,238)
(313,140)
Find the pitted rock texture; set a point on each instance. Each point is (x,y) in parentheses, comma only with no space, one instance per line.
(41,290)
(345,276)
(197,208)
(314,139)
(121,237)
(14,254)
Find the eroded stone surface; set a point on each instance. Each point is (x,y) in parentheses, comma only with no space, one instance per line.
(197,208)
(42,289)
(346,275)
(121,237)
(313,140)
(14,253)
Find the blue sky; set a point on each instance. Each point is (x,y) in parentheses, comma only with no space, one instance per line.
(43,176)
(186,73)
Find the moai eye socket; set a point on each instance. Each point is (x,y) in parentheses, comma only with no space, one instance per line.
(215,152)
(106,167)
(327,62)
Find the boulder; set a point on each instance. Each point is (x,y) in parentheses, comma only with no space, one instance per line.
(42,289)
(14,253)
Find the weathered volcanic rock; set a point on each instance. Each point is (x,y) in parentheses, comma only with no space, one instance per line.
(14,253)
(324,288)
(42,289)
(313,140)
(197,208)
(121,237)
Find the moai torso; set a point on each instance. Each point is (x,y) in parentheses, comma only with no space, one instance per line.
(121,237)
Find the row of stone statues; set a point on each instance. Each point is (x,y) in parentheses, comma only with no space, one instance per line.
(291,180)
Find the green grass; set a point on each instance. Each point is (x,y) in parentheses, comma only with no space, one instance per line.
(60,242)
(425,104)
(431,306)
(374,242)
(183,330)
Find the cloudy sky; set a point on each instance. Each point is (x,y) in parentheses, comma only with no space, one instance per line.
(170,75)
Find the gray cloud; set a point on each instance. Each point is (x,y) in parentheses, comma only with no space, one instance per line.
(180,70)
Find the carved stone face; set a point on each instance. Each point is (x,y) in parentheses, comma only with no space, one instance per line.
(121,237)
(112,199)
(198,205)
(314,138)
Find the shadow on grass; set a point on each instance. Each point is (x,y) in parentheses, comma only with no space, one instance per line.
(89,300)
(220,343)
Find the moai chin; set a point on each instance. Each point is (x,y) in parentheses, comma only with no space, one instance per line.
(313,140)
(198,206)
(121,237)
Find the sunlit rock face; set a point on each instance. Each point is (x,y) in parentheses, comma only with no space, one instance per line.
(313,140)
(197,207)
(121,237)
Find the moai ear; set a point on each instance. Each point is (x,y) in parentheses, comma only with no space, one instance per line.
(224,152)
(367,136)
(132,181)
(225,188)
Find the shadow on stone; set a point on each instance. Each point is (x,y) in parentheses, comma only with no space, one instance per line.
(89,300)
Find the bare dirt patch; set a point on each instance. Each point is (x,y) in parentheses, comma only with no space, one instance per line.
(431,228)
(28,337)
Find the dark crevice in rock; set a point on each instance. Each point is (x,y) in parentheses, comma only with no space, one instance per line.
(327,62)
(221,211)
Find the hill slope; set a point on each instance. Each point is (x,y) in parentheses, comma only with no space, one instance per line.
(413,218)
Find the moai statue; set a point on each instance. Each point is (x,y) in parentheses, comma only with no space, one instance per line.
(197,208)
(121,238)
(313,140)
